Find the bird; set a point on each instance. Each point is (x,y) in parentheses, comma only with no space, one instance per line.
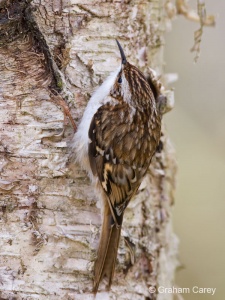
(115,142)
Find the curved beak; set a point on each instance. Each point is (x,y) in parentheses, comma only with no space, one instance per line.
(123,57)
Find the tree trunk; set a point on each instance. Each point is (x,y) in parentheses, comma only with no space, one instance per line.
(52,56)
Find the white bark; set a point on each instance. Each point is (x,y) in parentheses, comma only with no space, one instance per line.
(49,221)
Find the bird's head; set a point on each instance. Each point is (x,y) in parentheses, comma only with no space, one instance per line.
(130,84)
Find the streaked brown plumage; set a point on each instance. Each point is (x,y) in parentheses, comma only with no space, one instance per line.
(124,134)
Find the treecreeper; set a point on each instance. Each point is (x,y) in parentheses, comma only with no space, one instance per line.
(115,141)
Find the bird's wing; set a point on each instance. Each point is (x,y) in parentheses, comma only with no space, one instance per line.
(114,156)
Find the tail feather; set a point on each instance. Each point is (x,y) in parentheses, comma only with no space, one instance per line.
(107,251)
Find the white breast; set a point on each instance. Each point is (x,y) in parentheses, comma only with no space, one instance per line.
(80,139)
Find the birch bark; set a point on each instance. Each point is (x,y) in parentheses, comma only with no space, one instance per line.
(53,54)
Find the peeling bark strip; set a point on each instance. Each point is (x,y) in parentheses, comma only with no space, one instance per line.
(52,52)
(17,21)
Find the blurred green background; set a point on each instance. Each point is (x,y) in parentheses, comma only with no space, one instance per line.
(197,129)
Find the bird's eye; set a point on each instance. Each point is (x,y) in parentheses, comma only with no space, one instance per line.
(120,79)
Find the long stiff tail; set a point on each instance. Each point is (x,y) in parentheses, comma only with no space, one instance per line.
(107,251)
